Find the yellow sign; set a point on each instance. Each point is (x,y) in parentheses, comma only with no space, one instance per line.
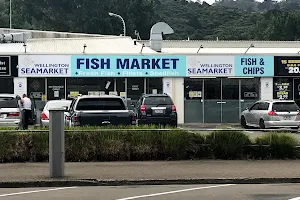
(74,93)
(43,97)
(193,94)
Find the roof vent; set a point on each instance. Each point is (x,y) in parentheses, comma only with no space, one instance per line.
(157,31)
(13,38)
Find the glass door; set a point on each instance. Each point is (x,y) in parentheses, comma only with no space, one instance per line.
(212,100)
(230,100)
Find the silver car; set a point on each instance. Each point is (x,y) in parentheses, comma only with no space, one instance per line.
(44,119)
(272,114)
(10,113)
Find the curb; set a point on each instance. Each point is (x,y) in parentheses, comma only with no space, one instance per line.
(95,182)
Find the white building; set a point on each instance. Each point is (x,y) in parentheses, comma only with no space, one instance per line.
(209,81)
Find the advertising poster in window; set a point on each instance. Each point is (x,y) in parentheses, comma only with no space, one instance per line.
(286,66)
(283,90)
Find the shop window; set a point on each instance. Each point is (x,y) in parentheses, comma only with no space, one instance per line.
(192,88)
(89,86)
(135,88)
(154,86)
(283,88)
(55,88)
(36,88)
(120,89)
(250,88)
(7,85)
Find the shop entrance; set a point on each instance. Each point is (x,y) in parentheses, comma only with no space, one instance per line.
(218,100)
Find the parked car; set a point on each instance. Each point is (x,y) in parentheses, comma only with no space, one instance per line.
(156,109)
(44,119)
(10,113)
(99,111)
(272,114)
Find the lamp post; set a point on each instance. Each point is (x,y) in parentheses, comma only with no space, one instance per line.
(121,18)
(10,14)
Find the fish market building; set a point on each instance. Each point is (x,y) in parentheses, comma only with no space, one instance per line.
(209,81)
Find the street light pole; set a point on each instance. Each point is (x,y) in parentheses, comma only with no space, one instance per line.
(121,18)
(10,14)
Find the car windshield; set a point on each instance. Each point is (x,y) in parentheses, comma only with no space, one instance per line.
(58,104)
(156,100)
(285,107)
(8,102)
(100,104)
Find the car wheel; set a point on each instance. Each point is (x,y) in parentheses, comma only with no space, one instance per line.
(243,122)
(262,124)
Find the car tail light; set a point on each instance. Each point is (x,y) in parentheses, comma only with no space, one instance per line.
(75,119)
(143,108)
(68,118)
(298,113)
(13,114)
(272,113)
(173,108)
(44,116)
(133,118)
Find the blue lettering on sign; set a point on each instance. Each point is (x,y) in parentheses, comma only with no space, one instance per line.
(93,63)
(254,66)
(134,66)
(147,63)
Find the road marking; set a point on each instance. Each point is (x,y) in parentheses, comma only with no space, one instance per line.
(35,191)
(175,191)
(296,198)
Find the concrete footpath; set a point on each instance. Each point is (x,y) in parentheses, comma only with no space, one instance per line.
(149,173)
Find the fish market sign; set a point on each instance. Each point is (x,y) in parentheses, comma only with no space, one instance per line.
(44,65)
(216,66)
(128,66)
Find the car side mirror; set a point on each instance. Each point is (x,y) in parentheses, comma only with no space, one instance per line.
(247,108)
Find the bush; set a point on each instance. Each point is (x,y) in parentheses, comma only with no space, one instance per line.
(228,144)
(282,145)
(102,146)
(141,145)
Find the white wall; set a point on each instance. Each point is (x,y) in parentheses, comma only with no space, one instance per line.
(174,87)
(266,88)
(20,86)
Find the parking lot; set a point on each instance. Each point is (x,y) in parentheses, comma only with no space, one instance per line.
(252,132)
(168,192)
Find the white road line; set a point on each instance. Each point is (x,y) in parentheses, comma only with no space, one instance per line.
(35,191)
(296,198)
(176,191)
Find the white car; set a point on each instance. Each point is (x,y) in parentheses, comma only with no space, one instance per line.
(44,120)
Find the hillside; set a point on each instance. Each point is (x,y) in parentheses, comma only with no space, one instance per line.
(188,19)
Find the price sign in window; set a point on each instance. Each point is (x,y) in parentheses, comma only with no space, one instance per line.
(283,88)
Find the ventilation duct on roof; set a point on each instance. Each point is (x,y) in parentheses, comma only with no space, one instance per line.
(13,38)
(156,35)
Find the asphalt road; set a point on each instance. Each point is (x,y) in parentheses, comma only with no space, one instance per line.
(169,192)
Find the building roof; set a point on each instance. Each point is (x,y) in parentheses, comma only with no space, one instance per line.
(225,44)
(94,45)
(265,51)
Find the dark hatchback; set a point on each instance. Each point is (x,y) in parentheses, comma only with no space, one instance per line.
(156,109)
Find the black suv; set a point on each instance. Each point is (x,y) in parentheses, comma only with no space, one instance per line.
(156,109)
